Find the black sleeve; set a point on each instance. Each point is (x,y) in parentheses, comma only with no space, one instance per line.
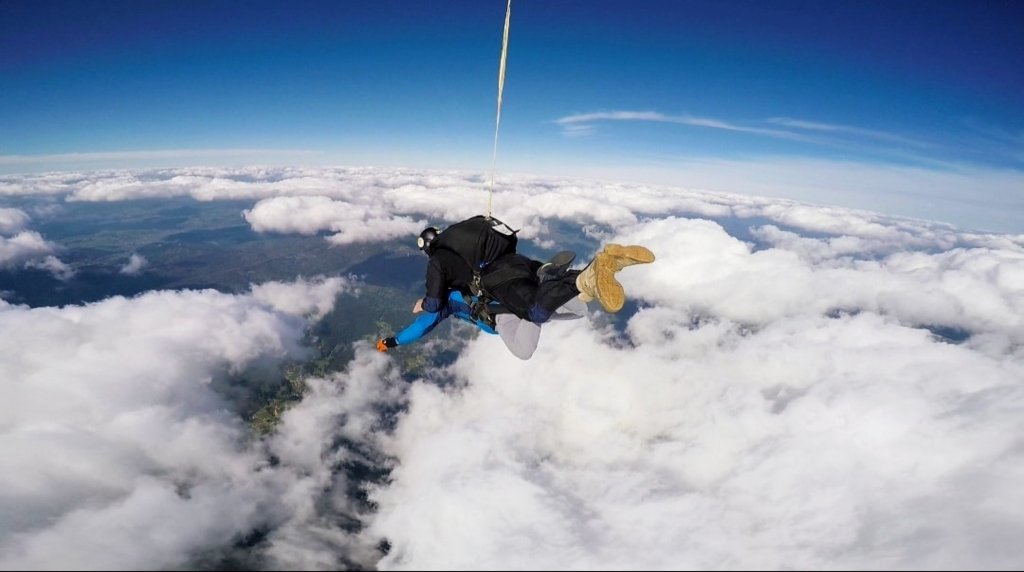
(437,285)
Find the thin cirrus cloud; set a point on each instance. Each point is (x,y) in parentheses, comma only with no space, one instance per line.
(977,146)
(816,133)
(995,132)
(582,124)
(996,140)
(818,393)
(832,128)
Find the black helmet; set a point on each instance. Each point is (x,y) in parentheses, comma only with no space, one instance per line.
(427,238)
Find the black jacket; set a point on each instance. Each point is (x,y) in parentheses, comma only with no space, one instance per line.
(445,271)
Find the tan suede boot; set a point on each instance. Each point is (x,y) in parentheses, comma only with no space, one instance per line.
(597,282)
(623,256)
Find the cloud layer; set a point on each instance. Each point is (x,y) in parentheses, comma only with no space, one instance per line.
(799,387)
(969,197)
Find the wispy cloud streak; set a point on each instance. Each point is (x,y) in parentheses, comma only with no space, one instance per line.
(582,123)
(857,131)
(999,146)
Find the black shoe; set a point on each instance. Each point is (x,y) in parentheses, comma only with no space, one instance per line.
(556,267)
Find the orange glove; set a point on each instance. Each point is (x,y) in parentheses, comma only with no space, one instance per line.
(386,344)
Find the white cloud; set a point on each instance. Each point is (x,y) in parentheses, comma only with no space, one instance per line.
(121,449)
(968,197)
(802,387)
(712,448)
(12,220)
(346,406)
(134,264)
(737,423)
(977,289)
(302,297)
(30,249)
(23,246)
(389,201)
(311,214)
(59,269)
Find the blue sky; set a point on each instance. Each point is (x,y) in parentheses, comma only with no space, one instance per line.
(681,92)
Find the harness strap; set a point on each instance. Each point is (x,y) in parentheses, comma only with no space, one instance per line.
(501,276)
(484,309)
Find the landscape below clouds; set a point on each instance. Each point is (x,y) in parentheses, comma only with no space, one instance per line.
(792,386)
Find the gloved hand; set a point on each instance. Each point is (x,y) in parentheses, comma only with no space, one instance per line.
(386,344)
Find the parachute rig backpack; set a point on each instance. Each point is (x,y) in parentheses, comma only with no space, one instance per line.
(480,241)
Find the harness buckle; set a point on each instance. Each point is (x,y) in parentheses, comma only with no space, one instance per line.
(478,308)
(476,285)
